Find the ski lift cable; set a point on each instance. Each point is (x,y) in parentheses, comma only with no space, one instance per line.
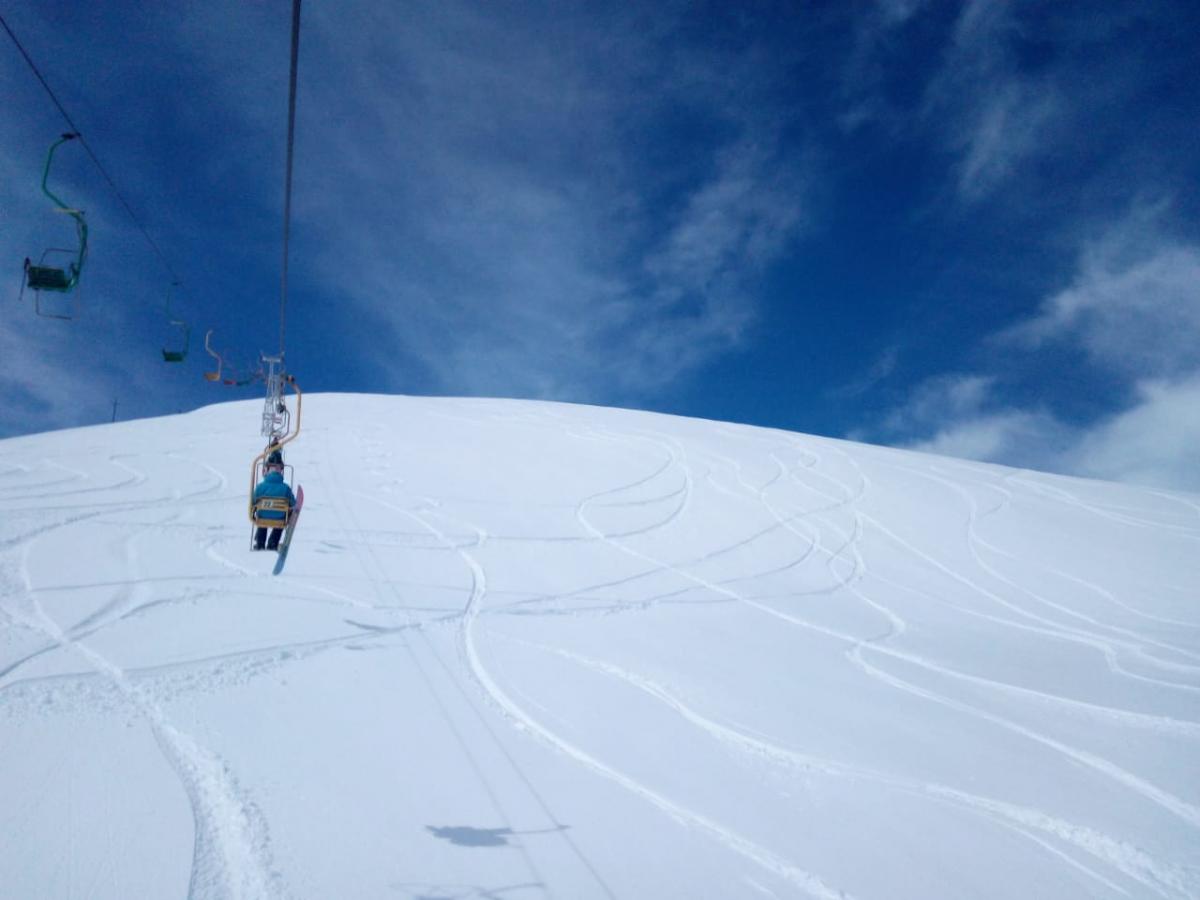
(287,191)
(87,147)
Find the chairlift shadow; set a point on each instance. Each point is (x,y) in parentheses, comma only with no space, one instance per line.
(469,836)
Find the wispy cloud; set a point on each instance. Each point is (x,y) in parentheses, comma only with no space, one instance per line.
(514,239)
(959,415)
(895,12)
(1134,304)
(878,372)
(1154,442)
(39,391)
(941,398)
(1006,129)
(1134,308)
(991,113)
(975,101)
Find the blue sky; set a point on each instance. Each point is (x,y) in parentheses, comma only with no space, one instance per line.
(964,227)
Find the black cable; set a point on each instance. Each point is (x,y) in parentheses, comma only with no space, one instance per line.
(287,190)
(83,142)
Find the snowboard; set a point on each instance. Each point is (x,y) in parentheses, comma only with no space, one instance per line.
(287,532)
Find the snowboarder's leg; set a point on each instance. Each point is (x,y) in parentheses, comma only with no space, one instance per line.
(260,535)
(273,540)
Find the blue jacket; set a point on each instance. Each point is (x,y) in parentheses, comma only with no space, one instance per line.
(274,486)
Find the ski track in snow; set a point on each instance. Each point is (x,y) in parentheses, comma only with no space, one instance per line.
(512,712)
(231,855)
(805,881)
(1164,879)
(1186,811)
(1160,877)
(790,484)
(369,564)
(974,542)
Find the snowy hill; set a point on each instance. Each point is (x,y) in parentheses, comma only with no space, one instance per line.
(528,650)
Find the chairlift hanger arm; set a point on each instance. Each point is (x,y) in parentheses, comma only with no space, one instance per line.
(80,222)
(290,380)
(46,172)
(213,376)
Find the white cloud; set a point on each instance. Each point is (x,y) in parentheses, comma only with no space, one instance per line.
(1134,305)
(896,12)
(959,416)
(1007,127)
(883,366)
(1022,438)
(1154,442)
(738,218)
(942,398)
(991,114)
(508,235)
(1134,308)
(988,438)
(1157,442)
(37,391)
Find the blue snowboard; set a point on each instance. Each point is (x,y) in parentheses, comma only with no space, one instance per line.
(287,532)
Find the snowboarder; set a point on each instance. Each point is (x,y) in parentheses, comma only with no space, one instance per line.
(273,485)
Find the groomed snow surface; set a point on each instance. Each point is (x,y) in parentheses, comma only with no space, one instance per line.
(527,650)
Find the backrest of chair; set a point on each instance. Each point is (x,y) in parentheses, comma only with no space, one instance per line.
(269,505)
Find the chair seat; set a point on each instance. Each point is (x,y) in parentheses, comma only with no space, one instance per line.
(47,278)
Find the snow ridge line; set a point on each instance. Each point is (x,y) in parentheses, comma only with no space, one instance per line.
(231,855)
(1128,859)
(806,881)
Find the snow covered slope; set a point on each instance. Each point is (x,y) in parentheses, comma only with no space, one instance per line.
(528,650)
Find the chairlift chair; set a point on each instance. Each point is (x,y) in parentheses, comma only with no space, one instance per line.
(263,506)
(177,356)
(212,376)
(42,277)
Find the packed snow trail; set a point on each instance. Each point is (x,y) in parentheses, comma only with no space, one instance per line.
(534,650)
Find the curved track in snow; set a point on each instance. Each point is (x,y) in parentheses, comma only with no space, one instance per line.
(529,650)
